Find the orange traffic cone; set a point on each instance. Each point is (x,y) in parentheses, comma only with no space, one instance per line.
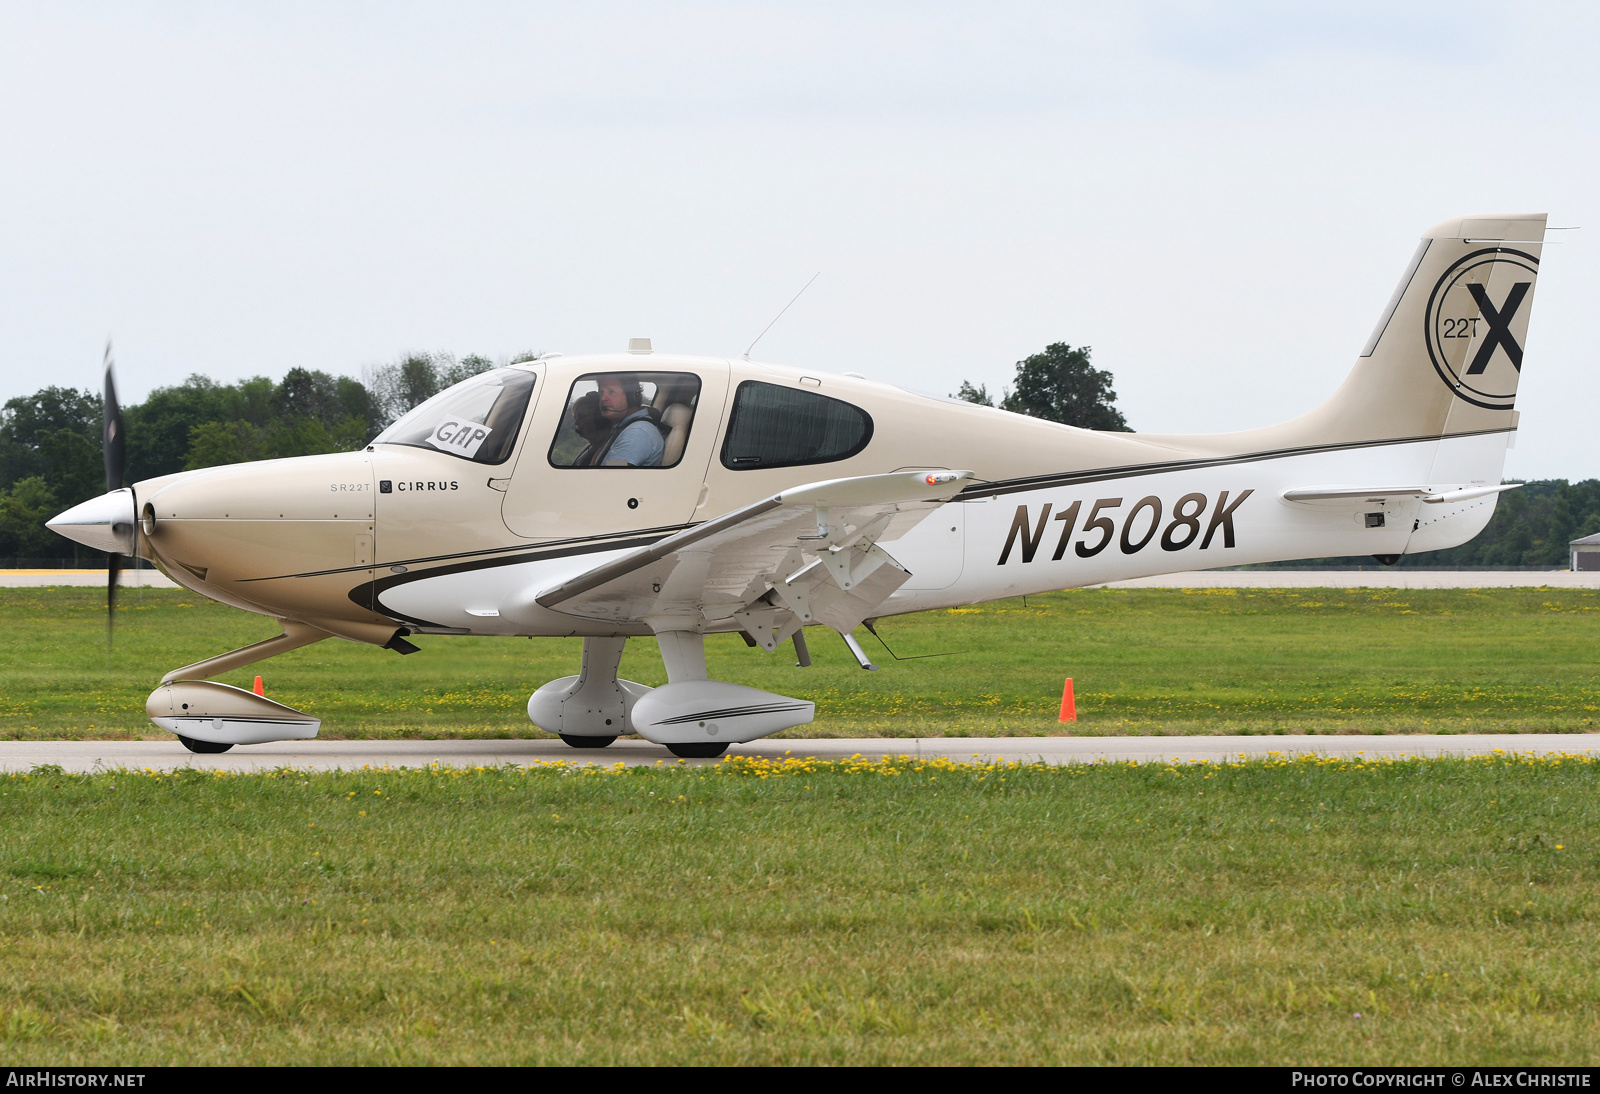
(259,690)
(1069,709)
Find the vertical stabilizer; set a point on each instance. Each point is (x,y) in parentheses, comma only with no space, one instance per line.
(1446,354)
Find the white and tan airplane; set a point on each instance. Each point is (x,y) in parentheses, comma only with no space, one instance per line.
(646,494)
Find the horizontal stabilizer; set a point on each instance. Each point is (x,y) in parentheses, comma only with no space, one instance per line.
(1467,493)
(1356,496)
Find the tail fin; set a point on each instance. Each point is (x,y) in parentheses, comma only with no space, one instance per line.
(1437,380)
(1446,355)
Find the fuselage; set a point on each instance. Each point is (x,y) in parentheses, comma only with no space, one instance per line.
(422,537)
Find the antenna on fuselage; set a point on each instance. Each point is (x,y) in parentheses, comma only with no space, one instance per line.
(779,316)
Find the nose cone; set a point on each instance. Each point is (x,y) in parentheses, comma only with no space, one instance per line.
(104,523)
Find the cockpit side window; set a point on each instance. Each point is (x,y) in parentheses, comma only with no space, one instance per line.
(477,419)
(773,426)
(626,419)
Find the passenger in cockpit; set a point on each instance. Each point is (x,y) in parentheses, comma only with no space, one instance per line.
(635,439)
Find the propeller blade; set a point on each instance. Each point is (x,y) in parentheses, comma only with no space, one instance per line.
(116,449)
(115,443)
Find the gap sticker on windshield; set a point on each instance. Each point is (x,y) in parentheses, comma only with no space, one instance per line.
(459,438)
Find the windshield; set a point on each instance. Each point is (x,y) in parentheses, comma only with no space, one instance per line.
(478,419)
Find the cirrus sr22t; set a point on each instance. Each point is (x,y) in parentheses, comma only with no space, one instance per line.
(647,495)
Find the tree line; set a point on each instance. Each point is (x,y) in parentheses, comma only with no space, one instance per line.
(50,444)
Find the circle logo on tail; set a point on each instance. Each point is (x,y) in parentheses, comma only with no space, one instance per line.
(1476,323)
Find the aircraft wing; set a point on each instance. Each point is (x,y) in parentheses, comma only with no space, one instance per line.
(807,555)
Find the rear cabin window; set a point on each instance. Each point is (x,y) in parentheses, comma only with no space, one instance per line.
(626,419)
(773,426)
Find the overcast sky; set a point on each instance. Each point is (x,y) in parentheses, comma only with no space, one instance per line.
(1218,198)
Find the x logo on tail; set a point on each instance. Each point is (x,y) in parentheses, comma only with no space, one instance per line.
(1499,326)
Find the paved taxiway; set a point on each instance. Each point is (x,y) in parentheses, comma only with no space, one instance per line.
(81,756)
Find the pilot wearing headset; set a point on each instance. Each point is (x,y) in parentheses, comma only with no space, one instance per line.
(635,439)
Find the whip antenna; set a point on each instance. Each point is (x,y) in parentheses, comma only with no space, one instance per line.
(779,316)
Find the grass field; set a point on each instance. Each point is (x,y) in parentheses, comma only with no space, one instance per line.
(1308,912)
(1143,661)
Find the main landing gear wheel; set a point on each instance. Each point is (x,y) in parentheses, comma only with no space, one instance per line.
(209,748)
(586,742)
(698,751)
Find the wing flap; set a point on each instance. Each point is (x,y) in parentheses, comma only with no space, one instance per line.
(806,555)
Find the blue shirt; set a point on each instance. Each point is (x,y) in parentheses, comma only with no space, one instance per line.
(637,443)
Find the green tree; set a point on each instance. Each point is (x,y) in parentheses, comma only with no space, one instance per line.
(1559,531)
(310,437)
(1060,385)
(212,444)
(334,401)
(53,434)
(467,367)
(23,510)
(980,394)
(418,377)
(358,404)
(1589,527)
(159,428)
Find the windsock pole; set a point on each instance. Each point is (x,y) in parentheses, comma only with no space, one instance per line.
(1069,709)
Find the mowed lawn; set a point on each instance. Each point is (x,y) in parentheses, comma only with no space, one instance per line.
(1143,661)
(1308,912)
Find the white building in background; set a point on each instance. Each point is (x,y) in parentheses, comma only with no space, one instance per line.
(1586,553)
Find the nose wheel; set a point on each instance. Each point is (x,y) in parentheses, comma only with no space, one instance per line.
(209,748)
(585,742)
